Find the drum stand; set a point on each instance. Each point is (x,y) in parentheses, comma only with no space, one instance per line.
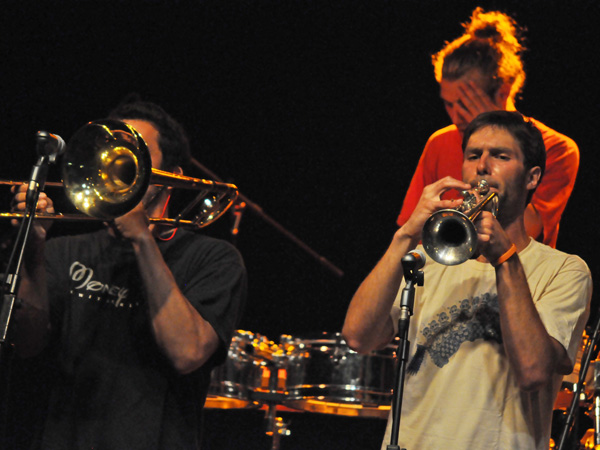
(275,426)
(588,354)
(414,277)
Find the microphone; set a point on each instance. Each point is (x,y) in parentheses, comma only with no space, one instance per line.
(413,260)
(49,144)
(48,147)
(411,263)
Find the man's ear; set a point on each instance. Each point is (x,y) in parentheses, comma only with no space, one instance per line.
(533,180)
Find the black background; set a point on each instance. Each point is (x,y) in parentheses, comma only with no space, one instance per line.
(317,109)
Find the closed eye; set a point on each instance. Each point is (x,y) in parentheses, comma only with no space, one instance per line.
(472,156)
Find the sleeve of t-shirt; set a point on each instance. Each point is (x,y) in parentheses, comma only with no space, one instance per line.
(564,304)
(217,290)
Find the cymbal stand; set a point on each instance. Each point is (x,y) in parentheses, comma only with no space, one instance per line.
(246,202)
(588,354)
(596,416)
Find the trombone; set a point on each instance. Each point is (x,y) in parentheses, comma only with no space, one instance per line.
(106,171)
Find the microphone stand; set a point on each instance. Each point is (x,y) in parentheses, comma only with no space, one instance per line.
(10,282)
(245,202)
(48,147)
(413,277)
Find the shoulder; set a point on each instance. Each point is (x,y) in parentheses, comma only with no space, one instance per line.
(202,246)
(540,255)
(445,135)
(445,144)
(554,140)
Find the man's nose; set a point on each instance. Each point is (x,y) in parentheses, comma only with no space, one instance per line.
(483,164)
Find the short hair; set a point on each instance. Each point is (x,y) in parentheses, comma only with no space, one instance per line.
(172,139)
(522,129)
(491,43)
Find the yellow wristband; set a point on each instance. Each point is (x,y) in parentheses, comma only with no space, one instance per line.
(507,254)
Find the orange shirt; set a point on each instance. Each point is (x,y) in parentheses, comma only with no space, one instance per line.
(443,156)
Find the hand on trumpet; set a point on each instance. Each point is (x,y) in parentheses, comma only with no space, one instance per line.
(492,239)
(431,201)
(44,206)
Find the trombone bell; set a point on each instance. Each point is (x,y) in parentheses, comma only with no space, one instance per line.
(106,169)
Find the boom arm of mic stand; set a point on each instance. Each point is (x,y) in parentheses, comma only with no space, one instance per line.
(258,210)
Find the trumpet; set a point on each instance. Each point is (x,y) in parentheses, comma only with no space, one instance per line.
(106,171)
(449,235)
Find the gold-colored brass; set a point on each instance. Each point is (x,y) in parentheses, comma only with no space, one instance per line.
(107,170)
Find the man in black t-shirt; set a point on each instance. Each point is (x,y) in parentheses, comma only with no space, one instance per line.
(137,315)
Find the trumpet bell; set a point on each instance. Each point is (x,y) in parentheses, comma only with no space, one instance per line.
(106,169)
(449,237)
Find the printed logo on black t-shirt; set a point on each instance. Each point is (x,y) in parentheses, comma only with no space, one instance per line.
(86,287)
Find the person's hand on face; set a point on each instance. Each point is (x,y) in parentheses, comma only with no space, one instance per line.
(474,101)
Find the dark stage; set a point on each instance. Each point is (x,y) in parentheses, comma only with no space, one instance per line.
(317,110)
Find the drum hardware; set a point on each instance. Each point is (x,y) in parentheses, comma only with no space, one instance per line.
(590,352)
(325,376)
(233,382)
(276,428)
(320,375)
(449,235)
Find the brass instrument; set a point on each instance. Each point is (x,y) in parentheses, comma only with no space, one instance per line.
(449,235)
(107,170)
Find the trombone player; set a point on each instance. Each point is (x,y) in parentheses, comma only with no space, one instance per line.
(137,315)
(491,338)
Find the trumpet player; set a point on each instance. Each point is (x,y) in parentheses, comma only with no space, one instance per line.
(490,339)
(137,315)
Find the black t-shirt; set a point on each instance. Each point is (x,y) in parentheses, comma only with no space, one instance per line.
(115,389)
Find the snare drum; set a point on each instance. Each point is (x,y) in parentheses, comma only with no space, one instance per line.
(324,375)
(233,382)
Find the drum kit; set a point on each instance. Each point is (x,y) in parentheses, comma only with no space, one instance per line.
(316,374)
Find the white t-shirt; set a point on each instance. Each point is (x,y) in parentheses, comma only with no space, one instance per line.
(460,391)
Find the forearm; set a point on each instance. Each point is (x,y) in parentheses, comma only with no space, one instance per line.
(185,337)
(32,316)
(368,324)
(533,354)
